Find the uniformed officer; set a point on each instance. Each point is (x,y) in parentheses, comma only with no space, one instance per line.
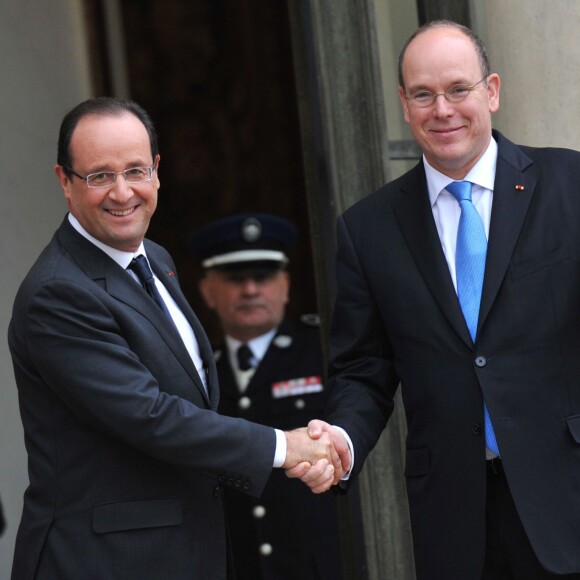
(270,372)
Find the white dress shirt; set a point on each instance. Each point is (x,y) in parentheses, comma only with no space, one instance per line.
(446,210)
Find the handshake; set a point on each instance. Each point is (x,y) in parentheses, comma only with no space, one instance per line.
(318,455)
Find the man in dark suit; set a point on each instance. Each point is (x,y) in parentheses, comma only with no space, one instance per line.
(118,389)
(270,372)
(494,499)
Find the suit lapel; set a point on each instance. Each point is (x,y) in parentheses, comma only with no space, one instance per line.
(512,194)
(119,284)
(415,218)
(124,289)
(170,281)
(510,205)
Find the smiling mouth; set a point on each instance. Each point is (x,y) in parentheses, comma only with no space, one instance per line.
(445,130)
(121,212)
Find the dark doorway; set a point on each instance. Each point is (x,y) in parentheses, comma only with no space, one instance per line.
(217,78)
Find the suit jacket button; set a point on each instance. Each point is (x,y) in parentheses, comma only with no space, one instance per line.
(259,511)
(245,403)
(266,549)
(476,429)
(480,361)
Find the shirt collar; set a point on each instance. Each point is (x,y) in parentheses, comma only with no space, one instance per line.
(481,174)
(259,345)
(122,258)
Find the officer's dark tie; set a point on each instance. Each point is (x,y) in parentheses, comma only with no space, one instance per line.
(140,266)
(245,357)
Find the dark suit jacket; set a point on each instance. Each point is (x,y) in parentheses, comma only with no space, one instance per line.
(301,527)
(397,318)
(126,452)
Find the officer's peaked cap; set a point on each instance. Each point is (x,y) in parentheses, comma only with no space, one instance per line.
(247,240)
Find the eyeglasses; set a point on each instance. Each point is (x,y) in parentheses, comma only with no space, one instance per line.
(106,178)
(454,94)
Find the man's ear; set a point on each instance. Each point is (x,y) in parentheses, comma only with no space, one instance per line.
(404,104)
(63,179)
(287,280)
(493,87)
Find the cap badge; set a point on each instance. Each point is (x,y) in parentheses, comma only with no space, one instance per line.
(283,341)
(251,230)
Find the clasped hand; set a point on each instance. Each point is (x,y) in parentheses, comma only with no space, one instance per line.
(317,454)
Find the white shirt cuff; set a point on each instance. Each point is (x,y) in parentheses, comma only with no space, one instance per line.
(350,448)
(280,455)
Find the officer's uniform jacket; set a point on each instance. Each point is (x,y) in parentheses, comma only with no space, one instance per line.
(288,533)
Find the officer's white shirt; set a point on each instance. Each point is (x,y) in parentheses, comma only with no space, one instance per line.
(258,346)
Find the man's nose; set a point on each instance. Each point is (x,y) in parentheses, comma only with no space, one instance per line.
(250,286)
(442,107)
(120,190)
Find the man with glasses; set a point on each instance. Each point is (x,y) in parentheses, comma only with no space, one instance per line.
(270,371)
(460,281)
(118,390)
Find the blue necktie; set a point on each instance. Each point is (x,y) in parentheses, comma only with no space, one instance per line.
(470,256)
(141,267)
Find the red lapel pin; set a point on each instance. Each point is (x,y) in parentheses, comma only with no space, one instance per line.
(520,187)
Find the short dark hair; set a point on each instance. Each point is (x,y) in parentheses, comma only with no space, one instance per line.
(475,39)
(105,107)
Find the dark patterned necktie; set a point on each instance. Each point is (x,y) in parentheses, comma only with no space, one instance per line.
(140,266)
(245,357)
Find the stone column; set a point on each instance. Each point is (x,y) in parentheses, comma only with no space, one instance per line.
(45,71)
(346,157)
(533,46)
